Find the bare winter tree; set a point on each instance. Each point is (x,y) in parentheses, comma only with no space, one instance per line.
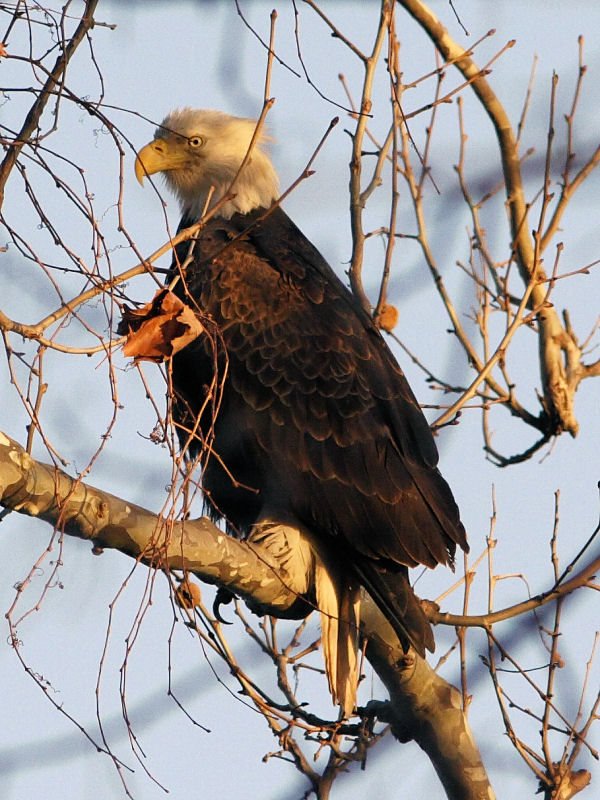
(77,284)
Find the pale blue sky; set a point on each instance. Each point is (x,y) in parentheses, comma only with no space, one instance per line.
(169,54)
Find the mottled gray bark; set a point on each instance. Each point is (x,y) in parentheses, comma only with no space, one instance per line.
(422,705)
(198,546)
(425,708)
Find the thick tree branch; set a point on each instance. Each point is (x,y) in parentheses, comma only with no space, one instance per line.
(422,705)
(197,546)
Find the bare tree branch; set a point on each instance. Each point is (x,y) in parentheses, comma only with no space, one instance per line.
(54,78)
(426,708)
(559,356)
(422,705)
(196,546)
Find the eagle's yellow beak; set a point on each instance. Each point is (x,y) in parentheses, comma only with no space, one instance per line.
(157,156)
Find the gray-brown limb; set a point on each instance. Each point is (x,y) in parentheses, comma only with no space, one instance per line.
(422,705)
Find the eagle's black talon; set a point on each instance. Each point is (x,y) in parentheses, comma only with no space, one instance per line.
(223,598)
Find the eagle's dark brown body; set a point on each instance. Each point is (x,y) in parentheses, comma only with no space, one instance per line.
(309,416)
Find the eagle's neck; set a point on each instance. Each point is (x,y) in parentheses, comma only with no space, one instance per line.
(256,186)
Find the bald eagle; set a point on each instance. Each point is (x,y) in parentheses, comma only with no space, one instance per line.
(308,423)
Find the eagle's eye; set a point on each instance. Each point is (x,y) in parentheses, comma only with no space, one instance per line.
(195,141)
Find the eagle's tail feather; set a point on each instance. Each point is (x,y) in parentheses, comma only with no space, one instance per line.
(338,603)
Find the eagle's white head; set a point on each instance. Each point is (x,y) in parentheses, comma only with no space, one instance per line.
(200,152)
